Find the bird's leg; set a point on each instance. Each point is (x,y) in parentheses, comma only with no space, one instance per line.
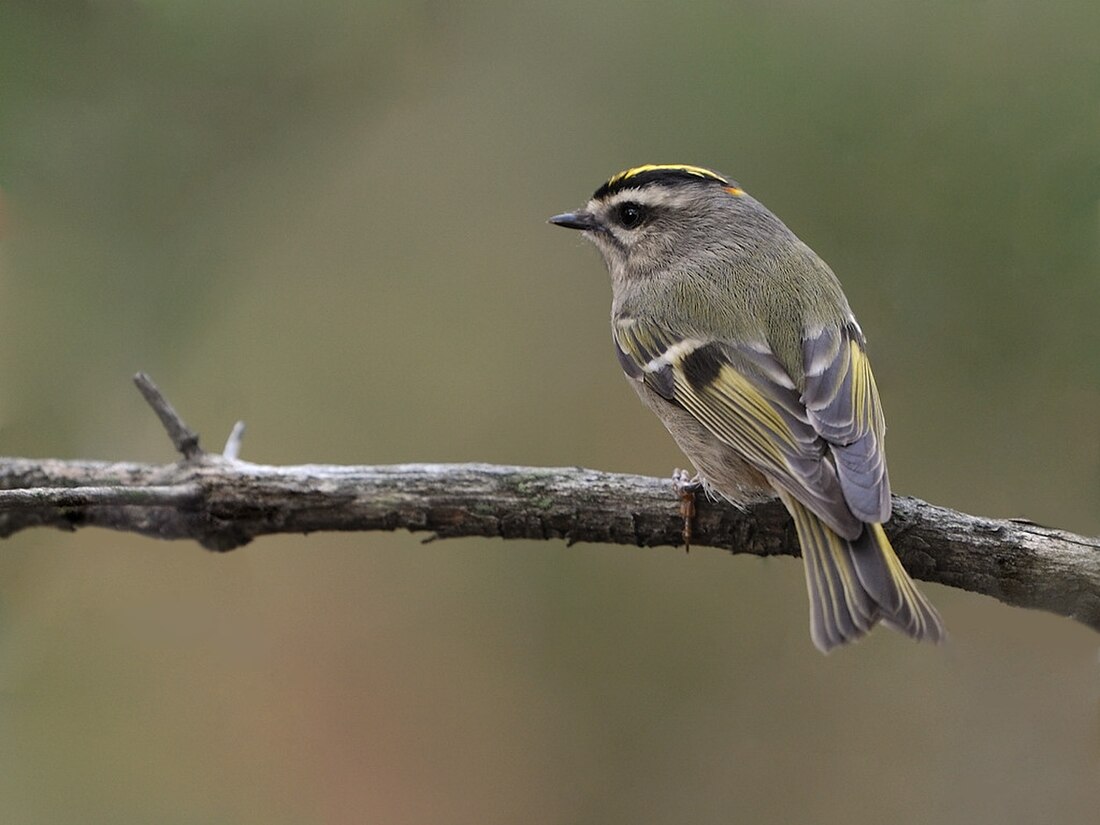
(686,486)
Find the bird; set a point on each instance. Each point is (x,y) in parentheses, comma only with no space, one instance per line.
(741,340)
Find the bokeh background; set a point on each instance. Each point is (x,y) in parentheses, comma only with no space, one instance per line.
(328,219)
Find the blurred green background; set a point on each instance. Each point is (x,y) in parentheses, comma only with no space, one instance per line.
(328,219)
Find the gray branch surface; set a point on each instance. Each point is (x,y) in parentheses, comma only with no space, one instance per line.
(224,503)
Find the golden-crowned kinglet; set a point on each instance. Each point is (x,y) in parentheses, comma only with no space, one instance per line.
(741,341)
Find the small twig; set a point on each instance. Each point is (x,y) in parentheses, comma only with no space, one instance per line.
(184,439)
(232,449)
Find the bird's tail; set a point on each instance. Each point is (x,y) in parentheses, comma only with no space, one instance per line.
(855,584)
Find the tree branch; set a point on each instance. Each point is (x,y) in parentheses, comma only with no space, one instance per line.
(224,503)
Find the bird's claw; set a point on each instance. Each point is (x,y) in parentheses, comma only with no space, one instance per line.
(686,486)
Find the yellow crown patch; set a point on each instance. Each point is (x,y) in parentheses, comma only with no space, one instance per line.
(698,171)
(657,172)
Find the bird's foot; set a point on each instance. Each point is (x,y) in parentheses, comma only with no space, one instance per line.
(686,486)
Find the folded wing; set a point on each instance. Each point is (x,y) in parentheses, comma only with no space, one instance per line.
(812,443)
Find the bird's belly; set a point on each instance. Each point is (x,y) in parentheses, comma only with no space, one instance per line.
(721,468)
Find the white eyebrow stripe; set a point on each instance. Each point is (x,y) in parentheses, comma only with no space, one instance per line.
(646,196)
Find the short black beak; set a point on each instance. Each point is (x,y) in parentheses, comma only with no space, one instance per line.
(576,220)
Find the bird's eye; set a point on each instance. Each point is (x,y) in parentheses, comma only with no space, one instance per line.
(630,214)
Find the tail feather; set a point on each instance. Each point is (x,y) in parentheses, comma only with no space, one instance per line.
(914,615)
(875,572)
(855,584)
(843,610)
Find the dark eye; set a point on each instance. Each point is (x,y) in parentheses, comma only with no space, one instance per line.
(630,214)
